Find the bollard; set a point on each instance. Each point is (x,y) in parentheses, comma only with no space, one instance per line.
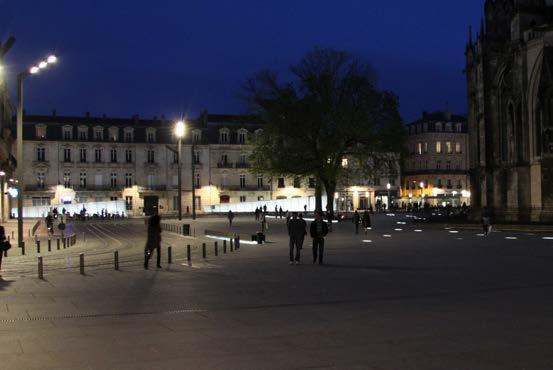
(169,254)
(81,263)
(58,243)
(216,249)
(116,260)
(49,245)
(231,245)
(203,250)
(40,268)
(38,246)
(12,234)
(237,243)
(23,248)
(224,246)
(64,241)
(188,256)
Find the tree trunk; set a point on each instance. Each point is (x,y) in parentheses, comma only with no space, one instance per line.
(318,195)
(330,187)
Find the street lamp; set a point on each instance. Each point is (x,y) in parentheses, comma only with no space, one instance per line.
(19,155)
(421,185)
(2,174)
(179,133)
(388,186)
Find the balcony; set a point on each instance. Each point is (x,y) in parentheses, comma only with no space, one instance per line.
(97,188)
(245,188)
(242,165)
(155,187)
(225,165)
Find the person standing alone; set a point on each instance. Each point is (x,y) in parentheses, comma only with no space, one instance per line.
(153,241)
(318,231)
(297,229)
(356,221)
(230,216)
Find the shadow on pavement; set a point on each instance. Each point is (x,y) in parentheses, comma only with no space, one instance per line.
(4,283)
(377,268)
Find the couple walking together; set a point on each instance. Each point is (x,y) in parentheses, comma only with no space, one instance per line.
(297,229)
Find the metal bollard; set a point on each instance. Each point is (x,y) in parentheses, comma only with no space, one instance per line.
(49,245)
(64,241)
(116,260)
(81,263)
(231,244)
(58,243)
(13,234)
(23,248)
(38,246)
(188,255)
(224,246)
(40,268)
(216,249)
(203,250)
(169,254)
(237,243)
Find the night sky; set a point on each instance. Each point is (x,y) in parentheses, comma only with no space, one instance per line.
(176,57)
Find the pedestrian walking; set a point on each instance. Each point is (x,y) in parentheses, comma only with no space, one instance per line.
(356,221)
(230,216)
(297,229)
(486,221)
(318,231)
(265,208)
(4,244)
(256,213)
(305,207)
(366,220)
(153,241)
(263,222)
(280,212)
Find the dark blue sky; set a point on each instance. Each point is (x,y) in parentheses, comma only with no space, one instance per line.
(122,57)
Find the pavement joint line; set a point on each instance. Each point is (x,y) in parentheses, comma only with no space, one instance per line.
(277,305)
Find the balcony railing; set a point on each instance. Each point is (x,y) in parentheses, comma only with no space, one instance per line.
(225,165)
(246,188)
(242,165)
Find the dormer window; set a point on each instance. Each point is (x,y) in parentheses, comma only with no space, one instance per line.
(113,134)
(196,136)
(438,126)
(67,133)
(40,131)
(223,136)
(98,133)
(242,135)
(83,133)
(129,134)
(151,135)
(448,127)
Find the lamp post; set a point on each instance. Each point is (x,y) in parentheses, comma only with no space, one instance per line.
(19,154)
(421,185)
(179,133)
(2,175)
(192,166)
(388,186)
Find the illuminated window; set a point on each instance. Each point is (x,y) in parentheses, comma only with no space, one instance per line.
(40,131)
(438,147)
(457,147)
(449,147)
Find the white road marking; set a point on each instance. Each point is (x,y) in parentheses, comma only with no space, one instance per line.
(367,241)
(454,232)
(400,223)
(480,235)
(398,229)
(418,231)
(511,238)
(547,238)
(387,235)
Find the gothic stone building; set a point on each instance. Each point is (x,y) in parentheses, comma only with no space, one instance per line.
(509,71)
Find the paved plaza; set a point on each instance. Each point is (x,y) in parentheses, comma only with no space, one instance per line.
(402,296)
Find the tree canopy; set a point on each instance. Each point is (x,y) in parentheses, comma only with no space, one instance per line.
(331,109)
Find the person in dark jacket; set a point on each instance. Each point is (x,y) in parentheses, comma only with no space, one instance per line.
(230,216)
(366,220)
(2,239)
(356,221)
(297,229)
(153,241)
(318,231)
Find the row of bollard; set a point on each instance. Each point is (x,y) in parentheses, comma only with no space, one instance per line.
(66,241)
(234,245)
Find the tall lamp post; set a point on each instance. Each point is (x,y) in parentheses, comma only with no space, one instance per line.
(179,133)
(19,155)
(192,166)
(421,185)
(2,196)
(388,186)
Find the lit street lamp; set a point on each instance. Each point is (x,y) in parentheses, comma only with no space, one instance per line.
(179,133)
(421,185)
(19,155)
(388,186)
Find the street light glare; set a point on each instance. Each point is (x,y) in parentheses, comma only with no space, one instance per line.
(179,129)
(42,65)
(34,70)
(52,59)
